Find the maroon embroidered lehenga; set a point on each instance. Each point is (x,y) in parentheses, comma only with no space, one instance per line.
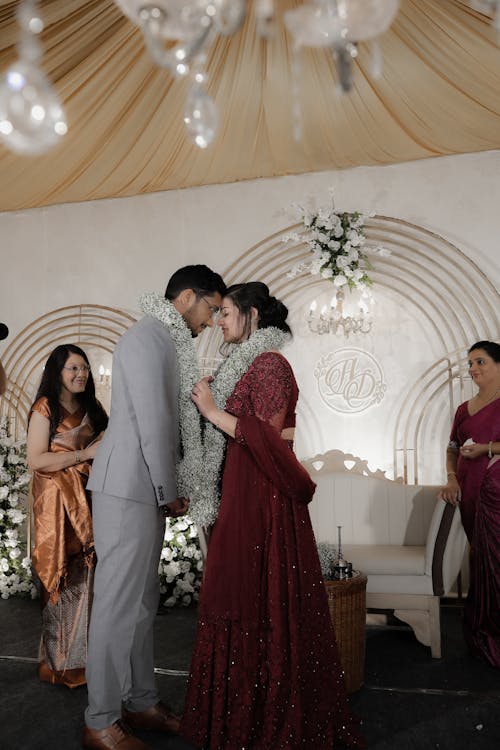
(479,481)
(265,672)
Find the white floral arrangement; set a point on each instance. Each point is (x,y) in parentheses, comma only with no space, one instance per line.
(181,563)
(15,564)
(338,242)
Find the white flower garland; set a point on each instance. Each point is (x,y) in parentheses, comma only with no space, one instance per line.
(189,418)
(205,502)
(198,472)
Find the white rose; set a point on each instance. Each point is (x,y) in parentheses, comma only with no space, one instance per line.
(173,569)
(13,459)
(354,238)
(340,280)
(357,274)
(185,586)
(180,525)
(16,516)
(4,492)
(170,602)
(327,273)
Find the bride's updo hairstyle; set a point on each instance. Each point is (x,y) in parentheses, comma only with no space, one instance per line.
(255,294)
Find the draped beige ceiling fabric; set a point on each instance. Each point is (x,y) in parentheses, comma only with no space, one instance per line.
(439,93)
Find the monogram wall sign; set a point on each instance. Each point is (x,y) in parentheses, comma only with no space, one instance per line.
(349,380)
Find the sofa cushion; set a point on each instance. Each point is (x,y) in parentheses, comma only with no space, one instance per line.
(383,559)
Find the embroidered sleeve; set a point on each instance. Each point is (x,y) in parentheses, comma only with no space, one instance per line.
(270,389)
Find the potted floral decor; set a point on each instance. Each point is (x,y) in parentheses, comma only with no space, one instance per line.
(15,564)
(181,563)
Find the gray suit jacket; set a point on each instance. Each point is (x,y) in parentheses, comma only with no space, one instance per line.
(137,457)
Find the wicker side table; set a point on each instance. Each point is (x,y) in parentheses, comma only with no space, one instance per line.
(347,605)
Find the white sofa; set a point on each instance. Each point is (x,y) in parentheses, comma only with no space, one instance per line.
(410,545)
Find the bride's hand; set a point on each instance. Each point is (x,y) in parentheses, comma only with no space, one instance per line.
(202,397)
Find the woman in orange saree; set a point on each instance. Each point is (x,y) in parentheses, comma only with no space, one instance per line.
(65,425)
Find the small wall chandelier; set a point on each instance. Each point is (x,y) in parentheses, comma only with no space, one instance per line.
(178,33)
(334,320)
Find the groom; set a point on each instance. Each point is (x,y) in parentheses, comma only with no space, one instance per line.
(133,483)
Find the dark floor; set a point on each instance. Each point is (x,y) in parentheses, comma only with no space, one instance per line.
(408,702)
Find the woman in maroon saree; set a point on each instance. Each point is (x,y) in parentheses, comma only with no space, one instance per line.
(265,669)
(473,466)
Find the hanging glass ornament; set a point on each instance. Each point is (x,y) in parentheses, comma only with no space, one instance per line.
(32,119)
(200,116)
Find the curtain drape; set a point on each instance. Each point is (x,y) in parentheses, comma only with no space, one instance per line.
(439,93)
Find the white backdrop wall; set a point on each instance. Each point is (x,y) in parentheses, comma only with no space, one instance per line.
(107,252)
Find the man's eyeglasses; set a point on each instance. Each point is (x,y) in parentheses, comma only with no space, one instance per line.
(213,309)
(75,370)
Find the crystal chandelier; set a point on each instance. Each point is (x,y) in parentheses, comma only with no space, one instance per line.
(31,116)
(178,33)
(335,321)
(489,8)
(339,25)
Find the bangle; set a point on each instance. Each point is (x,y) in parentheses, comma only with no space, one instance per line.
(451,473)
(78,460)
(490,452)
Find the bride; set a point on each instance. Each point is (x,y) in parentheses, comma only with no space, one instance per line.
(265,669)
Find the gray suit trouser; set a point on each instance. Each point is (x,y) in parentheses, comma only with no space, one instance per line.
(128,539)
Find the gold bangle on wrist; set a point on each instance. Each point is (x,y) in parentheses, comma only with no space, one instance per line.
(451,473)
(77,458)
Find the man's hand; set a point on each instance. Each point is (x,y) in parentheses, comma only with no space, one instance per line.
(177,507)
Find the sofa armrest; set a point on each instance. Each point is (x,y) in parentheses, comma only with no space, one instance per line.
(445,547)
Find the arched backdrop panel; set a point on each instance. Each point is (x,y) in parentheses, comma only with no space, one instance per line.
(96,328)
(427,291)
